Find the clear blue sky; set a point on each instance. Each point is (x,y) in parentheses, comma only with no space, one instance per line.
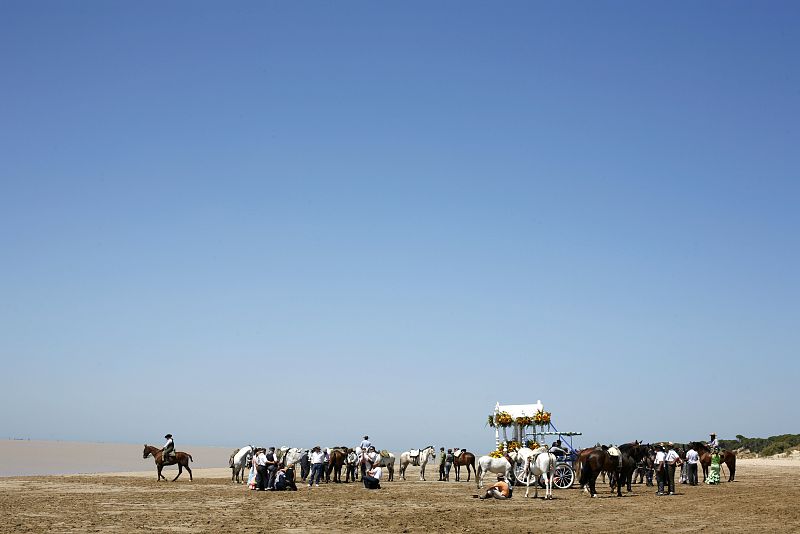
(301,222)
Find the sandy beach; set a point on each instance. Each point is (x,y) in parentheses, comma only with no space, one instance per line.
(764,498)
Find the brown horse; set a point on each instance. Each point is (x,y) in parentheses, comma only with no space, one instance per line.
(180,458)
(726,457)
(337,459)
(464,459)
(599,460)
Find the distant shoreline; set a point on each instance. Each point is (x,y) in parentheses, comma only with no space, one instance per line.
(24,457)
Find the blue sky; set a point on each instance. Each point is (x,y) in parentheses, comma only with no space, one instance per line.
(301,222)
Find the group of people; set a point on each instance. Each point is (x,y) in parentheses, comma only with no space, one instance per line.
(667,459)
(267,474)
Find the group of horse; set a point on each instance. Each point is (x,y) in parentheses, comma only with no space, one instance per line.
(524,466)
(620,467)
(534,467)
(349,458)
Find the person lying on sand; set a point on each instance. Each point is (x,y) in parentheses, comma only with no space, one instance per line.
(499,490)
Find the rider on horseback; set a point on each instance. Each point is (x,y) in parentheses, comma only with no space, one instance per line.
(168,451)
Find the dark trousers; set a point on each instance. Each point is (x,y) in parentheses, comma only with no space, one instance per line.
(350,474)
(661,475)
(441,471)
(670,474)
(692,473)
(371,482)
(262,477)
(285,484)
(271,471)
(316,472)
(363,470)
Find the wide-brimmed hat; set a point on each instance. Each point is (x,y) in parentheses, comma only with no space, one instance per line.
(713,434)
(366,437)
(168,436)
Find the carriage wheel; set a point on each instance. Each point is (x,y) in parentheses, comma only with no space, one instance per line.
(520,478)
(564,476)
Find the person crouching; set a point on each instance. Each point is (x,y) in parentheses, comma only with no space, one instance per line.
(499,490)
(284,479)
(372,480)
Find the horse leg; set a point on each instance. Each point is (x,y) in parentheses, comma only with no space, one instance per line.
(160,476)
(422,472)
(190,472)
(180,470)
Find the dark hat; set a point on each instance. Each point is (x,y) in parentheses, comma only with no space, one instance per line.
(168,436)
(366,437)
(272,448)
(441,448)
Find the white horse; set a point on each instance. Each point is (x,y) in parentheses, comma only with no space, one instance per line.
(489,464)
(387,462)
(290,456)
(428,454)
(534,464)
(238,463)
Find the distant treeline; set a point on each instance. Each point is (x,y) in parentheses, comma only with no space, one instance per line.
(763,446)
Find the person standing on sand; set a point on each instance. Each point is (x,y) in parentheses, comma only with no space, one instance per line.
(262,475)
(670,461)
(713,469)
(691,465)
(441,463)
(660,468)
(272,468)
(316,457)
(448,464)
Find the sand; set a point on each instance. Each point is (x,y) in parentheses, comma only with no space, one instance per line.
(764,498)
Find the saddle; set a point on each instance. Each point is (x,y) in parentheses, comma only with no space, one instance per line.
(616,455)
(457,453)
(414,455)
(384,453)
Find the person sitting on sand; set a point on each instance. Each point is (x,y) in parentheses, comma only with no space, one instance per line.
(284,479)
(498,490)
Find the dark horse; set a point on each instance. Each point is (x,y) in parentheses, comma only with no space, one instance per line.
(599,460)
(338,457)
(180,458)
(632,454)
(726,457)
(464,459)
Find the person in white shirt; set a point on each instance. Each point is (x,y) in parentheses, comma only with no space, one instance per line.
(659,467)
(713,441)
(262,475)
(317,457)
(692,458)
(373,478)
(671,460)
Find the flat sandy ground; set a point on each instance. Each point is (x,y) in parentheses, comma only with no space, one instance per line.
(765,498)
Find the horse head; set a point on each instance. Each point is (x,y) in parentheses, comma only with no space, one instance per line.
(146,452)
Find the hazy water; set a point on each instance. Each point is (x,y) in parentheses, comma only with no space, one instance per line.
(23,457)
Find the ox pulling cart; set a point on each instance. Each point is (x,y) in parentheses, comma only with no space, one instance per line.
(531,426)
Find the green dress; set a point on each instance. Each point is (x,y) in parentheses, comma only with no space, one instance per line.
(713,470)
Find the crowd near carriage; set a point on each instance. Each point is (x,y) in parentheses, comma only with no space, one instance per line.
(529,451)
(530,426)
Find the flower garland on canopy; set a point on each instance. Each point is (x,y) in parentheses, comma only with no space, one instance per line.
(541,418)
(503,419)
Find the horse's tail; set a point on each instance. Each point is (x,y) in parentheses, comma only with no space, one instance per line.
(190,457)
(478,475)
